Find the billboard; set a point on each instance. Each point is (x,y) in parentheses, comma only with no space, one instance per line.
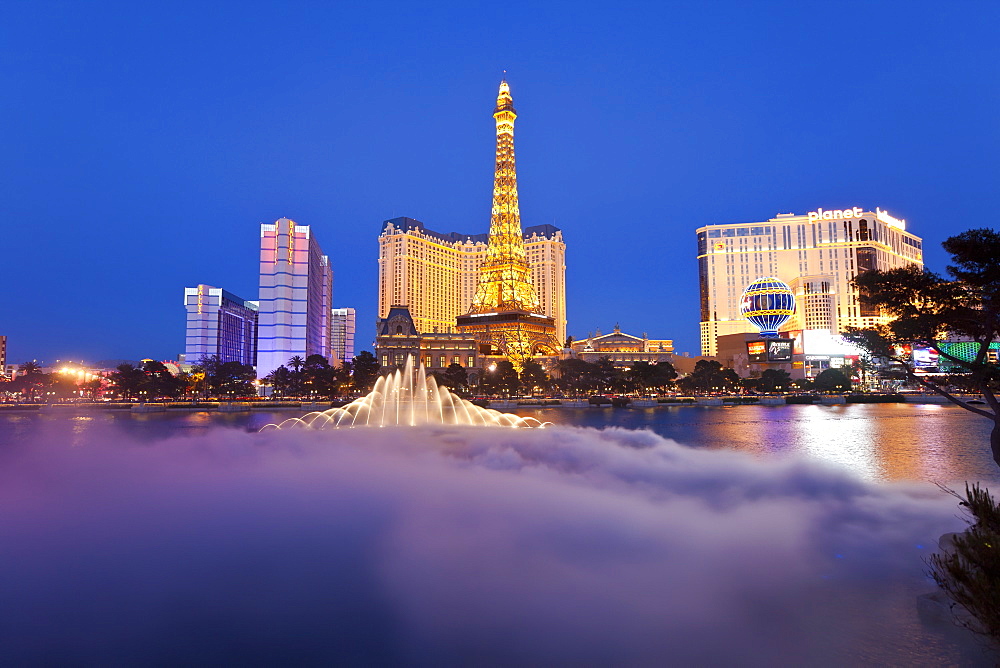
(779,350)
(925,359)
(770,350)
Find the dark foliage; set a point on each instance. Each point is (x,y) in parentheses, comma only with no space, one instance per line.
(832,380)
(710,376)
(364,370)
(969,570)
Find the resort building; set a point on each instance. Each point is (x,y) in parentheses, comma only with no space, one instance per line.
(342,328)
(296,285)
(623,349)
(816,254)
(398,338)
(803,354)
(436,274)
(219,323)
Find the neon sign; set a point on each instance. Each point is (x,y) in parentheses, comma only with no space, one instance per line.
(821,214)
(889,220)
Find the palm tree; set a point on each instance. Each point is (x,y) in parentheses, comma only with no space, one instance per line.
(29,368)
(296,380)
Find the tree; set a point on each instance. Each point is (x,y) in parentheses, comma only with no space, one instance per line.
(928,308)
(233,379)
(969,570)
(645,376)
(228,378)
(159,382)
(29,368)
(30,381)
(91,387)
(832,380)
(296,363)
(502,379)
(318,377)
(533,377)
(710,376)
(280,380)
(608,376)
(128,380)
(574,375)
(365,370)
(455,377)
(774,380)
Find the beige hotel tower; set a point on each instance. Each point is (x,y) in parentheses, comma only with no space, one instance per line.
(436,274)
(817,254)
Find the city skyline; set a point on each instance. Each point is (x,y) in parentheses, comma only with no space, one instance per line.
(148,164)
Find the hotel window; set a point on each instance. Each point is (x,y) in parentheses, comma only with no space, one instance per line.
(442,361)
(472,361)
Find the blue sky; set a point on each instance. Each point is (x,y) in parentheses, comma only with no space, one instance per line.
(144,143)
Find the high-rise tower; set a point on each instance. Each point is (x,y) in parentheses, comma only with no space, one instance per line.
(295,289)
(505,315)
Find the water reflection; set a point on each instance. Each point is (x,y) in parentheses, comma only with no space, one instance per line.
(80,423)
(877,441)
(929,442)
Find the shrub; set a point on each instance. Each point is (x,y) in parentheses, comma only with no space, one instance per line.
(969,570)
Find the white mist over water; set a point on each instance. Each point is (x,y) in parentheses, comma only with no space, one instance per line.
(433,545)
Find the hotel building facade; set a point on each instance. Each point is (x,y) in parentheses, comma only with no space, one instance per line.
(435,275)
(624,350)
(296,286)
(817,254)
(342,329)
(397,339)
(219,323)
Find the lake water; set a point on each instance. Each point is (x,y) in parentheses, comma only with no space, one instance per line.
(459,539)
(929,442)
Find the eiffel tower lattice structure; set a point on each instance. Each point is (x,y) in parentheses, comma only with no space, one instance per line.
(505,316)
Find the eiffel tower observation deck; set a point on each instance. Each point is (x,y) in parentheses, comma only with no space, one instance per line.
(505,316)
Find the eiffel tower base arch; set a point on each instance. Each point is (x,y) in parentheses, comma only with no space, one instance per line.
(515,335)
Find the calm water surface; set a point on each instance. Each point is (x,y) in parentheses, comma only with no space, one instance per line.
(930,442)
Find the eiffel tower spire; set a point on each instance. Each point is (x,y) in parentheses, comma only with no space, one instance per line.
(505,315)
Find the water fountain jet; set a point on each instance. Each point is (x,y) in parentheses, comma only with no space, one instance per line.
(407,397)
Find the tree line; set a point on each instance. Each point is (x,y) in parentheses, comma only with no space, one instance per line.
(314,377)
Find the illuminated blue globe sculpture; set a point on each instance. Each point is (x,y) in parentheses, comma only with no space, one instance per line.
(768,303)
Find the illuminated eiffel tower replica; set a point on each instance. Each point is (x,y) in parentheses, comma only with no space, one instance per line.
(505,316)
